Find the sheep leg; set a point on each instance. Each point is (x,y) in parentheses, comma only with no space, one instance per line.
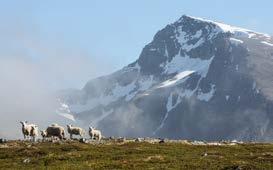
(63,136)
(71,136)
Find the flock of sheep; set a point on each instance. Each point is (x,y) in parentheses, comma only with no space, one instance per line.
(55,130)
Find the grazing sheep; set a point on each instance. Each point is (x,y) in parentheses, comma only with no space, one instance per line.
(75,131)
(34,132)
(26,129)
(94,133)
(53,131)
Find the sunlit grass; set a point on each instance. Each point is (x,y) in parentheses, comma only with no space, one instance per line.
(134,155)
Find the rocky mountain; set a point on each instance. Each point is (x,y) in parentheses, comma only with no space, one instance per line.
(197,79)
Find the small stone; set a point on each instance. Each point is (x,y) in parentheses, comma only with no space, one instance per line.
(82,140)
(122,139)
(138,140)
(26,161)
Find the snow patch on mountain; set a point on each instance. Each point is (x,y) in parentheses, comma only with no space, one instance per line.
(267,43)
(206,96)
(180,64)
(65,112)
(146,83)
(68,116)
(236,41)
(128,91)
(169,107)
(237,31)
(180,95)
(179,78)
(117,92)
(143,84)
(183,38)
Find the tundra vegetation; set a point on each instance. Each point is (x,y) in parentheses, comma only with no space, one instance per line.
(134,154)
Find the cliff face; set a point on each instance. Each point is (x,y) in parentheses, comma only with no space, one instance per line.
(197,79)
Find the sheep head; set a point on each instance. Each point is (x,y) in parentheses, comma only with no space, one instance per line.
(43,133)
(34,127)
(23,123)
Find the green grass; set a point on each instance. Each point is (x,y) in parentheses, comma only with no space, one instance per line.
(75,155)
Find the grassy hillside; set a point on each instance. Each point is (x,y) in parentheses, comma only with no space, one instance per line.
(134,155)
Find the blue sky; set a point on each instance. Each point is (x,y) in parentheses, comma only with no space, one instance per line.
(105,35)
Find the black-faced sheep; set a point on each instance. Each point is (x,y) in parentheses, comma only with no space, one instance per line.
(94,134)
(74,131)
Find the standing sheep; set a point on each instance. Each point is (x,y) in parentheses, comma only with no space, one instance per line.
(53,131)
(34,132)
(94,133)
(26,129)
(74,131)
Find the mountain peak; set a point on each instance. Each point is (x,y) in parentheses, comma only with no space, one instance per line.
(222,27)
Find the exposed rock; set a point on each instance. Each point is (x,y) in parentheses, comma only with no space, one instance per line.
(197,79)
(26,161)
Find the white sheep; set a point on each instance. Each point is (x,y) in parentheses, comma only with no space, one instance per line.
(94,133)
(26,129)
(34,132)
(74,131)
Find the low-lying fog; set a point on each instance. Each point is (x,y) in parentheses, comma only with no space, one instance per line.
(30,74)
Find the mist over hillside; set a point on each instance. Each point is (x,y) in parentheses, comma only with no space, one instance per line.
(31,71)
